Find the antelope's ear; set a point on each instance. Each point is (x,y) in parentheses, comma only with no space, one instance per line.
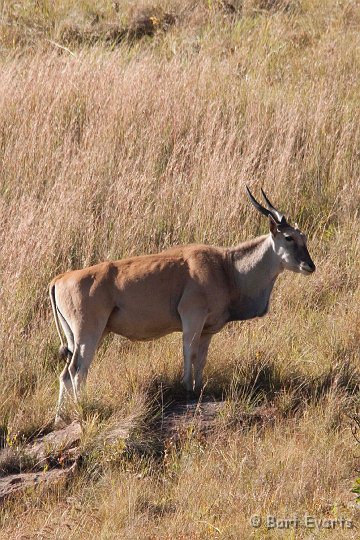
(273,225)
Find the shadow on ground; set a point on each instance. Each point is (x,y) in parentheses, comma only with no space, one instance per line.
(252,398)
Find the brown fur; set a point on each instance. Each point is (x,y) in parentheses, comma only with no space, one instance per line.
(195,289)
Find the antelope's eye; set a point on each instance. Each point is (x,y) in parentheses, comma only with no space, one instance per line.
(289,239)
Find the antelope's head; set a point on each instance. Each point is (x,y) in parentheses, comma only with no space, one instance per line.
(289,243)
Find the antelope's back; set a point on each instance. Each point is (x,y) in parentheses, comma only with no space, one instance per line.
(149,289)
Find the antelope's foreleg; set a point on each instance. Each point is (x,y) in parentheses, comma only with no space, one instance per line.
(200,361)
(192,327)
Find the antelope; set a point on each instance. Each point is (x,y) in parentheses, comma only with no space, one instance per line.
(195,289)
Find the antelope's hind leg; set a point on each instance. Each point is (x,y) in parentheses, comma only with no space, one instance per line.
(80,350)
(66,387)
(85,347)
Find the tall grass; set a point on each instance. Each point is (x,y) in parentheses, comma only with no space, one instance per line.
(109,151)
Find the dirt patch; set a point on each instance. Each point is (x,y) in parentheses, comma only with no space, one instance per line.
(145,22)
(55,456)
(182,417)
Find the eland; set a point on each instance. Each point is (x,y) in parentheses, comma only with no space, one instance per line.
(195,289)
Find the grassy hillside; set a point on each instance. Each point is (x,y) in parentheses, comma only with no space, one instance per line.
(125,129)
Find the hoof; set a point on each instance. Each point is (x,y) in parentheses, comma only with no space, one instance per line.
(198,392)
(188,386)
(190,395)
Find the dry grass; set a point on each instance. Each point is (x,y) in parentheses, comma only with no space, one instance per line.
(108,151)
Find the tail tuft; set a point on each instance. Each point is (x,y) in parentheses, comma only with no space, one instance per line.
(65,353)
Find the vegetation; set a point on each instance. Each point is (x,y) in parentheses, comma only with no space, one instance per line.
(126,130)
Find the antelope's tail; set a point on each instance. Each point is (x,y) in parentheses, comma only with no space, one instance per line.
(64,352)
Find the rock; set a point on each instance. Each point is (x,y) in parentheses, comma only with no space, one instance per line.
(58,449)
(55,443)
(11,484)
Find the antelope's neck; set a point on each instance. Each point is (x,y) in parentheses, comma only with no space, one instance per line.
(255,267)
